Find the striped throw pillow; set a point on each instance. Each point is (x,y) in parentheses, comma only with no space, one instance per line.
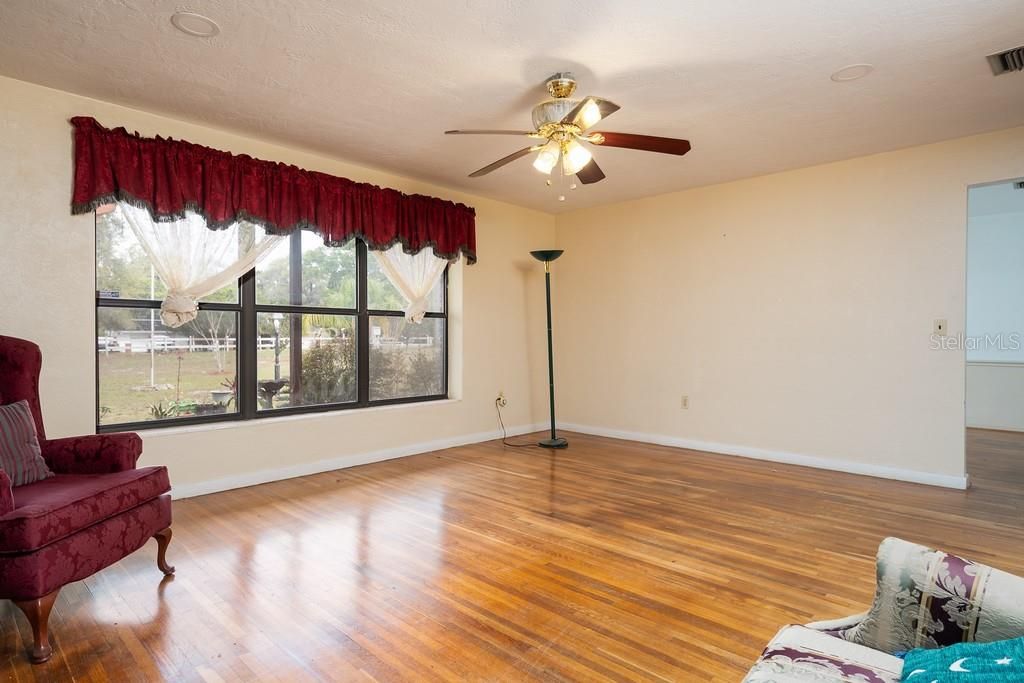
(20,456)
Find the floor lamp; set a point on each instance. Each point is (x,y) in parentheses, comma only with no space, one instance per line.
(547,256)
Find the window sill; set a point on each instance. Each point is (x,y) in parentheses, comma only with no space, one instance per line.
(242,424)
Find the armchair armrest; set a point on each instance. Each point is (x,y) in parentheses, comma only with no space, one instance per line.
(93,454)
(836,625)
(6,496)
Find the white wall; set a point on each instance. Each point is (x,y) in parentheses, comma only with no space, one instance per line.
(995,307)
(995,287)
(47,276)
(795,310)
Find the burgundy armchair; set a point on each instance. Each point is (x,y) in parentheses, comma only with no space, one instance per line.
(97,508)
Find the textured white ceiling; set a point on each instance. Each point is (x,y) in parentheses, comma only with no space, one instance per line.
(377,81)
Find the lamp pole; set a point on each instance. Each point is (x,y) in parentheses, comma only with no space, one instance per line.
(277,317)
(547,256)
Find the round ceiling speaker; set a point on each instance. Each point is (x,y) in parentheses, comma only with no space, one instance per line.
(195,24)
(852,72)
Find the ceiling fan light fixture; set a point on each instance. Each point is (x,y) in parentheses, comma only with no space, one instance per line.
(561,123)
(547,157)
(576,157)
(589,115)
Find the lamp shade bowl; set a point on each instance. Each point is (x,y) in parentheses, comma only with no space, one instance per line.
(547,255)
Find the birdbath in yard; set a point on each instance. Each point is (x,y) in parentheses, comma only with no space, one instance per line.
(268,389)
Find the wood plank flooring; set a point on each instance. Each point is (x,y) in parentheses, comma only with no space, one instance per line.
(611,560)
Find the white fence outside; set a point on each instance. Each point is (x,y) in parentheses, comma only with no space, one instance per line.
(131,343)
(142,342)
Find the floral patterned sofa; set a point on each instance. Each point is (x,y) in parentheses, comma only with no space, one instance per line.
(924,598)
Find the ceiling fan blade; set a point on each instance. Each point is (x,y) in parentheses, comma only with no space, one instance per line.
(501,162)
(647,143)
(488,132)
(591,173)
(589,111)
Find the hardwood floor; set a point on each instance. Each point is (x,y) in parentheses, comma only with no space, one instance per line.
(610,560)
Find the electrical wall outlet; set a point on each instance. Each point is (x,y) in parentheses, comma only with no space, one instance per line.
(501,400)
(684,403)
(940,328)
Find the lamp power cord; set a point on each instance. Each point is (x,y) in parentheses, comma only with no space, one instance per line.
(504,434)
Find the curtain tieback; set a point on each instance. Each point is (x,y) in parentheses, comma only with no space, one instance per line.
(178,308)
(416,310)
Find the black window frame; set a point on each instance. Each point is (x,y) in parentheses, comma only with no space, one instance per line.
(247,311)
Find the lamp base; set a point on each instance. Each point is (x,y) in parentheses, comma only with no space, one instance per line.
(554,443)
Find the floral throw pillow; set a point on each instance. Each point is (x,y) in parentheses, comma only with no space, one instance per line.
(926,598)
(20,457)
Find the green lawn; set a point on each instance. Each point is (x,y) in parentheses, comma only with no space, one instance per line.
(125,390)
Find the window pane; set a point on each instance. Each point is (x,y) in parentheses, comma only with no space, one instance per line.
(381,295)
(305,360)
(406,359)
(148,371)
(122,267)
(328,276)
(123,270)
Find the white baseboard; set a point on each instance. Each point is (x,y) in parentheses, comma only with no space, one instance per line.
(1003,428)
(915,476)
(278,473)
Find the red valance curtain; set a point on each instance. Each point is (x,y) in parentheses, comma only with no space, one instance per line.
(167,176)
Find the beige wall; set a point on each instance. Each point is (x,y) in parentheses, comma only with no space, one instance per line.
(794,310)
(995,396)
(46,271)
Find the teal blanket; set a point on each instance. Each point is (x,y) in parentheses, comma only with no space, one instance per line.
(967,663)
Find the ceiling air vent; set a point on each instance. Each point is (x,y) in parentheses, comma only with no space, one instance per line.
(1006,61)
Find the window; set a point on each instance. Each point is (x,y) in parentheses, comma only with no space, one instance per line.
(313,327)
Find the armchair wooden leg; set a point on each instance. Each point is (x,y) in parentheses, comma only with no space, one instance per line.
(163,539)
(38,614)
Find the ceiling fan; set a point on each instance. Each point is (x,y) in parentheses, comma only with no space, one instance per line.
(562,123)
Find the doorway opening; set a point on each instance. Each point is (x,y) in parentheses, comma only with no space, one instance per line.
(994,331)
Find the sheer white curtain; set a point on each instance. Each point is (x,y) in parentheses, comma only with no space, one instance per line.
(192,260)
(413,276)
